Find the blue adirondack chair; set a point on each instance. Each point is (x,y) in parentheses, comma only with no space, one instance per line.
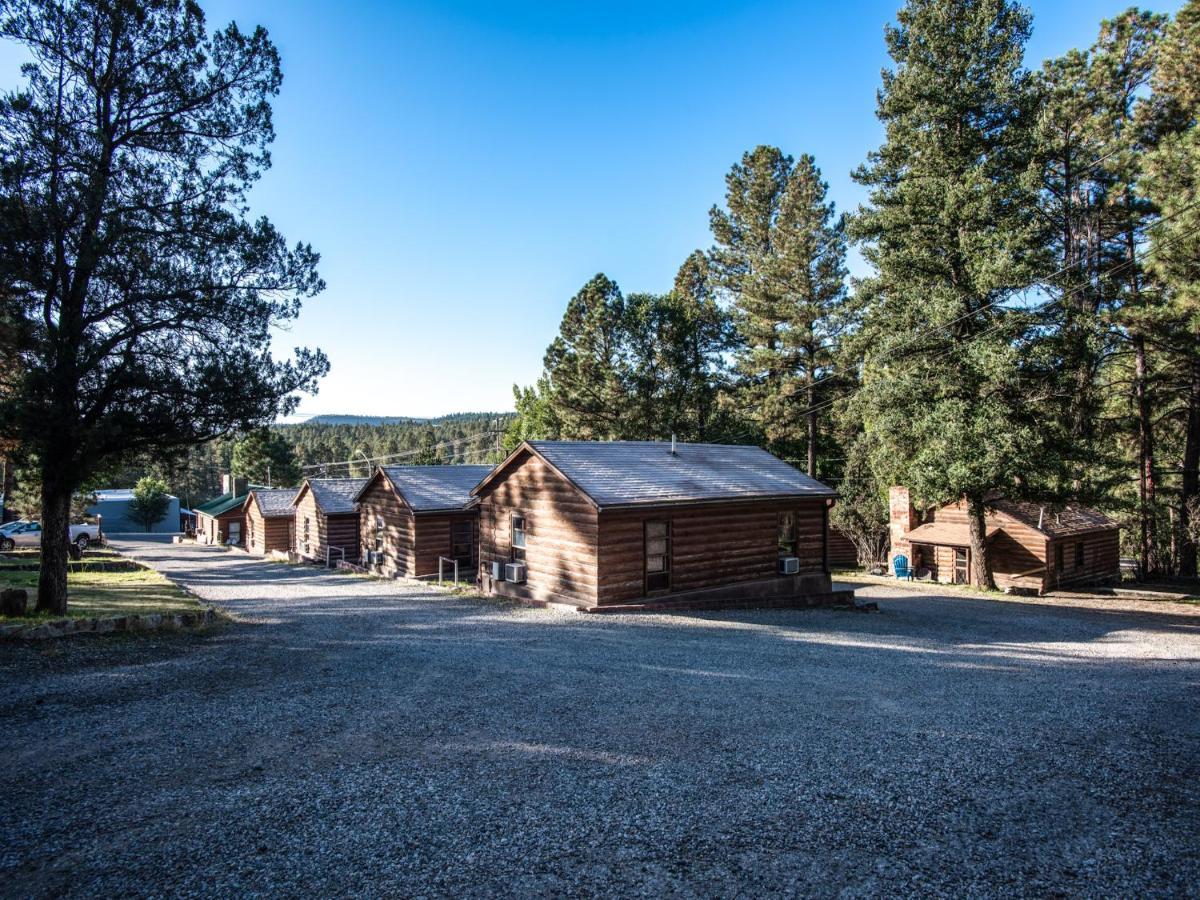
(901,565)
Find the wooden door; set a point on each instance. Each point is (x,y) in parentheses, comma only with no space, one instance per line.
(962,573)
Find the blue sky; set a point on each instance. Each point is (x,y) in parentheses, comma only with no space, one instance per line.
(464,167)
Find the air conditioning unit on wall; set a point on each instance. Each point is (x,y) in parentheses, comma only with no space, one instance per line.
(515,572)
(789,565)
(497,571)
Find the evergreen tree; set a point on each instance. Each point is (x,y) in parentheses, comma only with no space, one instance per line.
(1172,183)
(780,257)
(949,232)
(265,457)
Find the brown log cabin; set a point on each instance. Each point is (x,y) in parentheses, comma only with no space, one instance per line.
(631,524)
(412,516)
(326,527)
(1031,546)
(223,519)
(270,518)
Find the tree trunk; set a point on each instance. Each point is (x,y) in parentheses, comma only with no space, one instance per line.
(10,486)
(1148,552)
(56,522)
(1190,489)
(981,563)
(812,432)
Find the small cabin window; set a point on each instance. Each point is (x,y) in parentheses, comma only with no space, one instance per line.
(518,538)
(379,534)
(658,556)
(1058,557)
(306,532)
(787,533)
(1079,555)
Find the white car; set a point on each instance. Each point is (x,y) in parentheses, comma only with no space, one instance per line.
(29,534)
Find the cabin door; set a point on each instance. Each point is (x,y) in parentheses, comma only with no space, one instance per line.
(961,573)
(235,534)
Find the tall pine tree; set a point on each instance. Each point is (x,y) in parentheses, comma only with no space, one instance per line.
(780,257)
(949,231)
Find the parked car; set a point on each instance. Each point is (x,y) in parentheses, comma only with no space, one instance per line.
(29,534)
(12,526)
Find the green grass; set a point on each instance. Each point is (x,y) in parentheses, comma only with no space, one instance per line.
(91,594)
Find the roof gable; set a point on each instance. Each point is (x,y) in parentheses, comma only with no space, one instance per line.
(647,473)
(435,488)
(333,496)
(273,502)
(221,505)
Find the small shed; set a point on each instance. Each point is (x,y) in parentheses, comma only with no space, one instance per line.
(270,518)
(643,523)
(326,526)
(411,516)
(115,506)
(1032,546)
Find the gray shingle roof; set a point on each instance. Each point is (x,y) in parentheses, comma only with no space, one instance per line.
(426,488)
(1056,521)
(336,495)
(274,502)
(626,473)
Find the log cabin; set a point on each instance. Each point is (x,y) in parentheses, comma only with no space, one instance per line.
(1032,546)
(223,519)
(412,516)
(270,518)
(326,527)
(644,525)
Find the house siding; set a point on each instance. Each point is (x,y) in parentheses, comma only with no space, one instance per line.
(577,554)
(267,535)
(326,532)
(214,529)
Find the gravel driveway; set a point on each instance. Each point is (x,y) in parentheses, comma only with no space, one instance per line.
(357,737)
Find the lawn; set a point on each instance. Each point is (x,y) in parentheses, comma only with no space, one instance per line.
(107,594)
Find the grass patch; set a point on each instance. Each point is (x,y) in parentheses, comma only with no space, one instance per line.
(91,594)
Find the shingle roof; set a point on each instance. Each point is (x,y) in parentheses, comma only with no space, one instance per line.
(428,488)
(336,495)
(627,473)
(274,502)
(1056,521)
(957,534)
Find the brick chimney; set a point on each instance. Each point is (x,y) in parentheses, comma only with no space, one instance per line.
(902,518)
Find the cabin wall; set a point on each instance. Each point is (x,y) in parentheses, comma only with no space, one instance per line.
(267,534)
(324,531)
(396,555)
(711,545)
(1101,559)
(561,533)
(842,552)
(432,541)
(215,529)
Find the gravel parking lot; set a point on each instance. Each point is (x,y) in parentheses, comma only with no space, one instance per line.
(357,737)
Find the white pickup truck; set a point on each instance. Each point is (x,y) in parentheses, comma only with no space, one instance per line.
(29,534)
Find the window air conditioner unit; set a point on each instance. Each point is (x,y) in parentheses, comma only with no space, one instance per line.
(789,565)
(497,571)
(515,572)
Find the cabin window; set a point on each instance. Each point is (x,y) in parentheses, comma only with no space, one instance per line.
(250,530)
(1058,557)
(1079,555)
(518,538)
(379,534)
(658,556)
(306,533)
(787,533)
(462,541)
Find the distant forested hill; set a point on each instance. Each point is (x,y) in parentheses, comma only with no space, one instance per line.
(336,446)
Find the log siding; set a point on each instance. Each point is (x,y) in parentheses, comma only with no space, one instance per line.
(579,554)
(317,533)
(264,534)
(412,543)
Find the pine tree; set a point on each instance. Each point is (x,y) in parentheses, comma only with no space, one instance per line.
(780,257)
(949,232)
(1172,182)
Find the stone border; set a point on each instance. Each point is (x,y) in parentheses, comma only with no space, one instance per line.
(107,625)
